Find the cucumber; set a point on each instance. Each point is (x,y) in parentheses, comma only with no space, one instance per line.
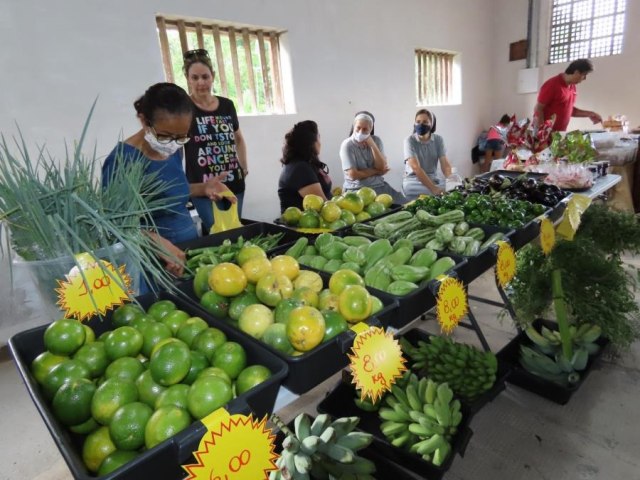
(461,228)
(492,239)
(394,217)
(403,242)
(298,248)
(355,240)
(420,237)
(472,248)
(458,245)
(441,266)
(444,233)
(435,244)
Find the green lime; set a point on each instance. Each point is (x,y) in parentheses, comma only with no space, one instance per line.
(175,395)
(174,319)
(208,340)
(208,394)
(170,363)
(62,373)
(231,358)
(190,329)
(63,337)
(94,356)
(110,396)
(215,304)
(250,377)
(160,308)
(165,423)
(85,428)
(72,402)
(128,424)
(115,460)
(216,372)
(151,334)
(124,314)
(44,363)
(198,363)
(123,342)
(97,446)
(124,368)
(201,280)
(148,389)
(89,334)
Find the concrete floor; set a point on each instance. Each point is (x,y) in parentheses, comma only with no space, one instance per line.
(519,436)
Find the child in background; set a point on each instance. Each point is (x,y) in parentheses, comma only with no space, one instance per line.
(496,139)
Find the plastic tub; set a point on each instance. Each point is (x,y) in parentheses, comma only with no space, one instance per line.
(340,403)
(538,385)
(311,368)
(164,460)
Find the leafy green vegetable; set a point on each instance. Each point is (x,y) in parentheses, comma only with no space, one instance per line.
(575,147)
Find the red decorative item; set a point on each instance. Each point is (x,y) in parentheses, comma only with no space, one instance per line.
(527,136)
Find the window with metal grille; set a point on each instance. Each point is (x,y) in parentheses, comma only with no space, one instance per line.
(586,29)
(435,78)
(246,60)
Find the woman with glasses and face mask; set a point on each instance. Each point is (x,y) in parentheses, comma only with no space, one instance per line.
(165,112)
(423,150)
(217,146)
(363,160)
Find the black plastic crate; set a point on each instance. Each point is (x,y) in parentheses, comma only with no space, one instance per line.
(514,174)
(164,460)
(339,402)
(247,232)
(311,368)
(385,469)
(538,385)
(504,370)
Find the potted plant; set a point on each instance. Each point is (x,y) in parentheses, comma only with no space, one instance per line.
(53,210)
(591,292)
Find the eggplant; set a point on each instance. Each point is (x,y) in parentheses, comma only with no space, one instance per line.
(496,180)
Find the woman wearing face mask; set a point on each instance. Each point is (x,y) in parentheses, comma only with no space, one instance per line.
(422,152)
(217,145)
(363,160)
(303,173)
(165,112)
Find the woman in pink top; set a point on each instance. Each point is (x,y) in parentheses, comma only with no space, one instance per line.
(496,139)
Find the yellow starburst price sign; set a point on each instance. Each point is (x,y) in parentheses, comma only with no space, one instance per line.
(235,447)
(451,304)
(376,362)
(100,290)
(505,263)
(547,236)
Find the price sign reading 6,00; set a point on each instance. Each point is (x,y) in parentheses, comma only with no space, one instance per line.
(233,448)
(376,362)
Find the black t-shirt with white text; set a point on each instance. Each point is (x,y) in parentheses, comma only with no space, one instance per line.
(212,148)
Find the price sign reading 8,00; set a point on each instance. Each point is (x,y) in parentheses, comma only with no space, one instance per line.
(376,361)
(505,264)
(451,304)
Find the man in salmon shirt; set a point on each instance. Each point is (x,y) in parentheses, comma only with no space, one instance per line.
(558,96)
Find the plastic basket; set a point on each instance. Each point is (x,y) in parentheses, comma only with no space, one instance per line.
(164,460)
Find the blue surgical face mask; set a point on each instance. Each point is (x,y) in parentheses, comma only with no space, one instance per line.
(421,128)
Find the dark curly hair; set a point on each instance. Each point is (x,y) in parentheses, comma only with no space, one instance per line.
(299,145)
(163,96)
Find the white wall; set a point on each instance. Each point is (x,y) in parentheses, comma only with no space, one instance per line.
(346,55)
(610,90)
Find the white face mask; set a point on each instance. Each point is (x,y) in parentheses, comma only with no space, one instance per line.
(166,149)
(360,136)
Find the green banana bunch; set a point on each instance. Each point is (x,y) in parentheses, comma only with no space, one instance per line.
(323,449)
(468,371)
(560,371)
(421,417)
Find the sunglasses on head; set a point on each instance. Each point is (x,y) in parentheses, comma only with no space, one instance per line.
(198,52)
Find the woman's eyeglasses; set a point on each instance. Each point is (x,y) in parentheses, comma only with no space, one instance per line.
(164,139)
(198,52)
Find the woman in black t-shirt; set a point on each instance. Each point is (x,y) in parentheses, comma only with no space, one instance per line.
(303,173)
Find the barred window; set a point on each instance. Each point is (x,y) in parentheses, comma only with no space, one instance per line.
(586,29)
(246,60)
(435,78)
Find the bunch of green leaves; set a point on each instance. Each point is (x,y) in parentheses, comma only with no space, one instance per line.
(575,147)
(56,209)
(597,287)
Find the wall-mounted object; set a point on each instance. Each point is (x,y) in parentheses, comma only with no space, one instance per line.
(528,80)
(518,50)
